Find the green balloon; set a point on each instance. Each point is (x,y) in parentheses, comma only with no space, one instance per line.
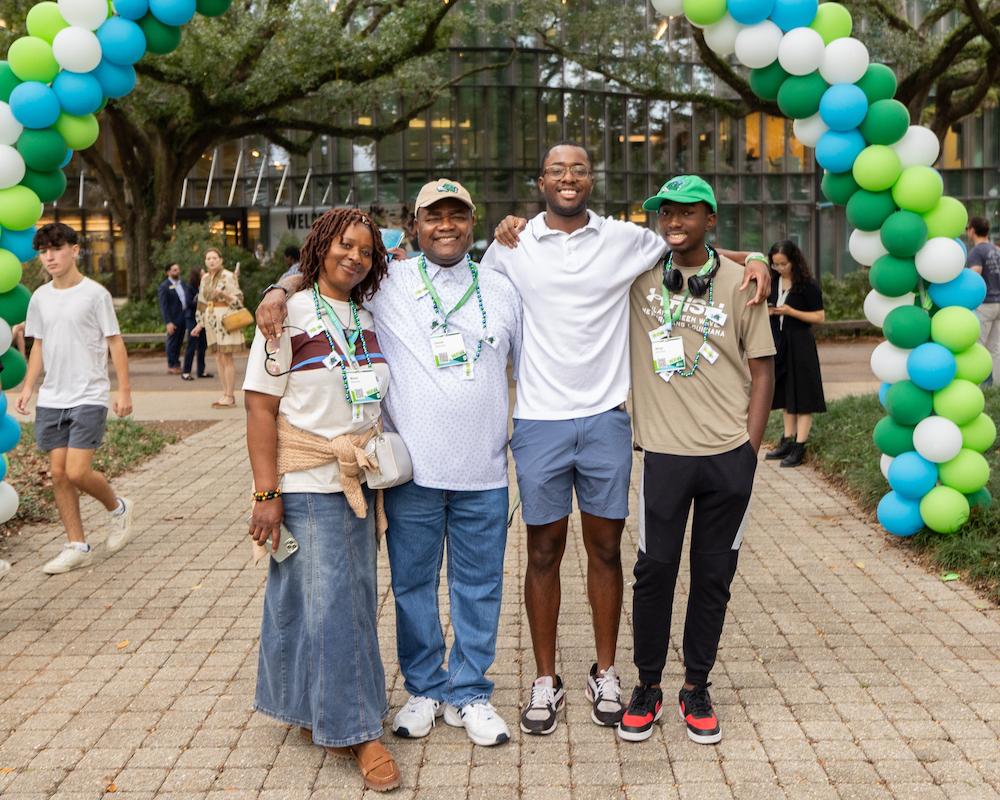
(799,96)
(893,276)
(8,80)
(45,21)
(20,208)
(918,189)
(980,434)
(213,8)
(14,305)
(947,219)
(886,122)
(967,472)
(878,83)
(904,233)
(839,187)
(980,499)
(704,12)
(959,401)
(42,150)
(974,364)
(907,327)
(832,21)
(877,168)
(892,438)
(868,210)
(14,367)
(944,509)
(766,81)
(31,59)
(48,186)
(955,327)
(160,39)
(907,403)
(79,133)
(10,270)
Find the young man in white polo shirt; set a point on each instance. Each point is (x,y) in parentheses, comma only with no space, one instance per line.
(573,270)
(447,330)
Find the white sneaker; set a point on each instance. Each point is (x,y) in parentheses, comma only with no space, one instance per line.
(120,527)
(4,567)
(481,722)
(69,559)
(416,718)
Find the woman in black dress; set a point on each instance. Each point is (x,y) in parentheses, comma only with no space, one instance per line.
(795,305)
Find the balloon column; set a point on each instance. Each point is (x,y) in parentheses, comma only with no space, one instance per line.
(802,56)
(78,54)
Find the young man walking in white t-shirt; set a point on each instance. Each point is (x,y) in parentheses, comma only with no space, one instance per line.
(573,270)
(73,323)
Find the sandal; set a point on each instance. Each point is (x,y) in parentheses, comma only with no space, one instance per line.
(378,768)
(218,404)
(187,376)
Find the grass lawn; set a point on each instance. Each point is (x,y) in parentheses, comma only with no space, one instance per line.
(841,447)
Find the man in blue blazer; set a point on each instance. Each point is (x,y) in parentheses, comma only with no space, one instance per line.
(172,295)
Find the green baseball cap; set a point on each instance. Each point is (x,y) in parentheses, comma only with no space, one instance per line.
(683,189)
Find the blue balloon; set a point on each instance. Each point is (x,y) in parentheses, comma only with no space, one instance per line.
(78,93)
(883,392)
(132,9)
(788,14)
(67,158)
(116,80)
(899,516)
(122,41)
(19,243)
(843,106)
(912,476)
(34,105)
(173,12)
(836,151)
(931,366)
(961,243)
(3,468)
(750,12)
(3,408)
(968,290)
(10,433)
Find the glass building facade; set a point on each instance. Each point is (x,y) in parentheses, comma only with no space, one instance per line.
(490,133)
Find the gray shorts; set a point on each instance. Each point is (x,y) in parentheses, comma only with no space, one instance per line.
(79,427)
(591,454)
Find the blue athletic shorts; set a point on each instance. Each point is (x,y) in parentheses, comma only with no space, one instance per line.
(591,454)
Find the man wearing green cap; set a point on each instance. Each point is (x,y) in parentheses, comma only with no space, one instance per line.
(702,382)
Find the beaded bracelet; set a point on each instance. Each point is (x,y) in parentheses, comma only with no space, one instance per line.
(270,494)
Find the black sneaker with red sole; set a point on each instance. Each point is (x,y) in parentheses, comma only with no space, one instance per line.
(695,707)
(644,709)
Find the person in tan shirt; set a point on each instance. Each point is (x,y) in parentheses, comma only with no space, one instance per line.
(702,383)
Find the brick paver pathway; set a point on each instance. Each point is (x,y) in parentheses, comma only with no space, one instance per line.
(845,669)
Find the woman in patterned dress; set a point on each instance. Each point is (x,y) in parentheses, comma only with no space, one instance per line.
(218,295)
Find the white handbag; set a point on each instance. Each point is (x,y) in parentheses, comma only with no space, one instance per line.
(394,466)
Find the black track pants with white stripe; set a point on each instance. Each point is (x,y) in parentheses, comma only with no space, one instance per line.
(719,486)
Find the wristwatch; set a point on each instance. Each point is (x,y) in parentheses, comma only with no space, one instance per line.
(274,286)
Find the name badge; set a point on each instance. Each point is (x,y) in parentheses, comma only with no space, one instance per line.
(661,333)
(315,327)
(716,315)
(709,353)
(668,355)
(448,350)
(362,386)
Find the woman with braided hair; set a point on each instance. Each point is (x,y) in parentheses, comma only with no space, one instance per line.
(313,400)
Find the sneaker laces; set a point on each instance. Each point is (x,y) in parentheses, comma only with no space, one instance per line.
(643,698)
(413,703)
(542,696)
(608,686)
(697,701)
(481,712)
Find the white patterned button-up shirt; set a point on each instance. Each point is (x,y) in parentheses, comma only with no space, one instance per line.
(455,429)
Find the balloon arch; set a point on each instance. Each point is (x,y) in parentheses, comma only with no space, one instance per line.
(78,54)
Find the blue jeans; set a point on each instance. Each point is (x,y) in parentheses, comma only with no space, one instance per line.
(474,526)
(319,664)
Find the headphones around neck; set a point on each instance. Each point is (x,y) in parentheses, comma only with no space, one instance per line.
(697,284)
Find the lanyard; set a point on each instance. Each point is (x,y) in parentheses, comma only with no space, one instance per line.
(351,342)
(675,315)
(439,305)
(350,337)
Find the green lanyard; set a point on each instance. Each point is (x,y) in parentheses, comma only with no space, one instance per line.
(350,337)
(675,314)
(436,298)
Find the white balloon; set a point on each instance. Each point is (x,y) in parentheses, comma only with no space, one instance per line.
(10,128)
(8,502)
(11,167)
(844,61)
(889,363)
(721,37)
(919,147)
(877,306)
(809,130)
(87,14)
(668,8)
(940,260)
(76,50)
(866,247)
(6,337)
(884,463)
(757,45)
(937,439)
(801,51)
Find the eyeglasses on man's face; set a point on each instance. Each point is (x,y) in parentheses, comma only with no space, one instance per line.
(559,170)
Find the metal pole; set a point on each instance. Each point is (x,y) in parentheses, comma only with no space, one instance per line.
(184,191)
(80,197)
(281,184)
(326,194)
(260,176)
(236,177)
(305,185)
(211,177)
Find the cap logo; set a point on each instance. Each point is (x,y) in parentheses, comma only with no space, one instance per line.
(447,187)
(674,185)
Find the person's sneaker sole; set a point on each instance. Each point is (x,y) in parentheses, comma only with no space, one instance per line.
(593,715)
(453,718)
(560,705)
(699,738)
(640,736)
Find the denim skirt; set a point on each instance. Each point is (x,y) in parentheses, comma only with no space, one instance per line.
(319,664)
